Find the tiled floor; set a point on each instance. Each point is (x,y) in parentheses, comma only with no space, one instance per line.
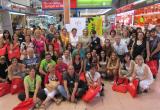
(111,101)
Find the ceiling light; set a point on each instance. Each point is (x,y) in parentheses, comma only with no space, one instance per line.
(16,13)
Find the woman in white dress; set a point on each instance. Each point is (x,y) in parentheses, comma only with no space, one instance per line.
(143,73)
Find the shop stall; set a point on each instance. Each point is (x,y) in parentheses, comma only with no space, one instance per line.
(125,18)
(41,20)
(147,15)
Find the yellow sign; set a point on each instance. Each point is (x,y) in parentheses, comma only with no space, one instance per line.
(95,23)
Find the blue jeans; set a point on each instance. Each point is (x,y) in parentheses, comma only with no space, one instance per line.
(62,91)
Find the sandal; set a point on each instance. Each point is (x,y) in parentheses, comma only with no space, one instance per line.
(43,106)
(58,101)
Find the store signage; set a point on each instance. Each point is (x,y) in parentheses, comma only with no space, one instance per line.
(125,8)
(52,4)
(19,8)
(56,4)
(94,3)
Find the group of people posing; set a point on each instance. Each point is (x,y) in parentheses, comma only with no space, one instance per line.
(62,66)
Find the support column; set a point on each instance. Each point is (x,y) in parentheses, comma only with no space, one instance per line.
(66,11)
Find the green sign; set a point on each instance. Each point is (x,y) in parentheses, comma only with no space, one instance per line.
(93,3)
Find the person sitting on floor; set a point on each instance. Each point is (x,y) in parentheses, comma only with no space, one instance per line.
(102,63)
(3,70)
(16,70)
(143,73)
(127,68)
(73,88)
(94,78)
(113,66)
(52,85)
(32,84)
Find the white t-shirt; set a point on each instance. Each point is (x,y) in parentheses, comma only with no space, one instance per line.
(67,61)
(73,40)
(120,49)
(94,78)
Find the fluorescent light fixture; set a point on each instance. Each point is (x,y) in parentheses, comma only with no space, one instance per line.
(139,1)
(94,12)
(46,15)
(105,11)
(16,13)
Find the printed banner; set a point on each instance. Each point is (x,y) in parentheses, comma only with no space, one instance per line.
(95,23)
(78,23)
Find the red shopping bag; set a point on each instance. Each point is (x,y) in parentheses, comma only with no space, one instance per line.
(4,89)
(120,85)
(82,77)
(25,105)
(17,86)
(91,93)
(153,65)
(132,87)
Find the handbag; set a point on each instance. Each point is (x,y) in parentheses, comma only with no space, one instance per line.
(4,88)
(120,85)
(132,87)
(153,65)
(82,77)
(17,86)
(25,105)
(91,93)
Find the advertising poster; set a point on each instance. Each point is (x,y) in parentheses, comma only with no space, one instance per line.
(78,23)
(95,23)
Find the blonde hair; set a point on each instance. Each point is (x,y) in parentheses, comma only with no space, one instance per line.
(140,57)
(37,31)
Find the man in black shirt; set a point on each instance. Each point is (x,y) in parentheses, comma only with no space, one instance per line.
(71,83)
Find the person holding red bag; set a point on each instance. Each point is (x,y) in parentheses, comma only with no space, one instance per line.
(153,50)
(32,84)
(143,73)
(74,88)
(127,67)
(94,79)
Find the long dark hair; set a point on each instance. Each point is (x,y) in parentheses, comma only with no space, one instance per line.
(100,57)
(90,59)
(9,35)
(75,58)
(144,38)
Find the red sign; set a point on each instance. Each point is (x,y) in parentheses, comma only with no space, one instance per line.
(56,4)
(125,8)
